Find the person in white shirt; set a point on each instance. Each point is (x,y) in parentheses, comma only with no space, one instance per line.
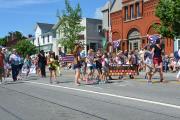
(148,61)
(14,60)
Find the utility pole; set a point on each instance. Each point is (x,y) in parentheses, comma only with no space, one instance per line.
(109,25)
(39,44)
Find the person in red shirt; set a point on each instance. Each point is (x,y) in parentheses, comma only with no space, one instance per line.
(1,65)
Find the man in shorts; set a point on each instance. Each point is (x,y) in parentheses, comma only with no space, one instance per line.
(1,65)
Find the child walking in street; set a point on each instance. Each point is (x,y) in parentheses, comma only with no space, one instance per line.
(148,61)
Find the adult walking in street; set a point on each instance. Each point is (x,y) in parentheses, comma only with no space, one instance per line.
(42,63)
(1,65)
(27,64)
(52,67)
(21,63)
(14,60)
(77,63)
(157,58)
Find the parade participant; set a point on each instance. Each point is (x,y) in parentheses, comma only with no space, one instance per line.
(1,65)
(52,67)
(119,61)
(14,60)
(42,63)
(27,64)
(157,58)
(98,64)
(105,68)
(178,74)
(58,67)
(148,61)
(6,60)
(165,63)
(133,61)
(77,64)
(83,64)
(110,59)
(90,67)
(21,63)
(35,62)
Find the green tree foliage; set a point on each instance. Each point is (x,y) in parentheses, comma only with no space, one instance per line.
(3,41)
(25,47)
(70,25)
(169,13)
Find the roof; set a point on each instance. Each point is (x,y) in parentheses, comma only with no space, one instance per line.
(116,6)
(56,25)
(106,6)
(45,26)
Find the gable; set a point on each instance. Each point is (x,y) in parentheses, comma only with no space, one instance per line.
(116,6)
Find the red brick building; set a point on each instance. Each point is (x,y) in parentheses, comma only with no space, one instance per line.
(132,20)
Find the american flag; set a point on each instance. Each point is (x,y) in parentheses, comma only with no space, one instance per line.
(116,44)
(153,38)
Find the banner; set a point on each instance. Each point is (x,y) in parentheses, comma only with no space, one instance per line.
(117,70)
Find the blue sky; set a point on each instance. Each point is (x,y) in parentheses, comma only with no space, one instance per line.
(22,15)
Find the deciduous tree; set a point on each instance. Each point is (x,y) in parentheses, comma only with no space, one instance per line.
(70,25)
(169,13)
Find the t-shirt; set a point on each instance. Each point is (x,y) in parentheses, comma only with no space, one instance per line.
(157,51)
(1,60)
(90,60)
(14,59)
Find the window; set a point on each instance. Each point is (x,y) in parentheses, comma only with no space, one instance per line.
(138,10)
(135,45)
(99,28)
(48,38)
(178,44)
(126,12)
(132,11)
(130,45)
(93,46)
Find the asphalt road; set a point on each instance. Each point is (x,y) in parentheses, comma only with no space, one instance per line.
(36,99)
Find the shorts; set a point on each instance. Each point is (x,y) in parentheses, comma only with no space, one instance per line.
(1,70)
(157,60)
(76,66)
(52,68)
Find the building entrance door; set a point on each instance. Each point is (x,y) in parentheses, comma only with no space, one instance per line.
(134,39)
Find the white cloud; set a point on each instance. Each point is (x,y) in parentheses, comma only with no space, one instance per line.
(17,3)
(98,13)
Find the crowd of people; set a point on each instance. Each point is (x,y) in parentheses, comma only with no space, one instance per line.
(150,59)
(94,66)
